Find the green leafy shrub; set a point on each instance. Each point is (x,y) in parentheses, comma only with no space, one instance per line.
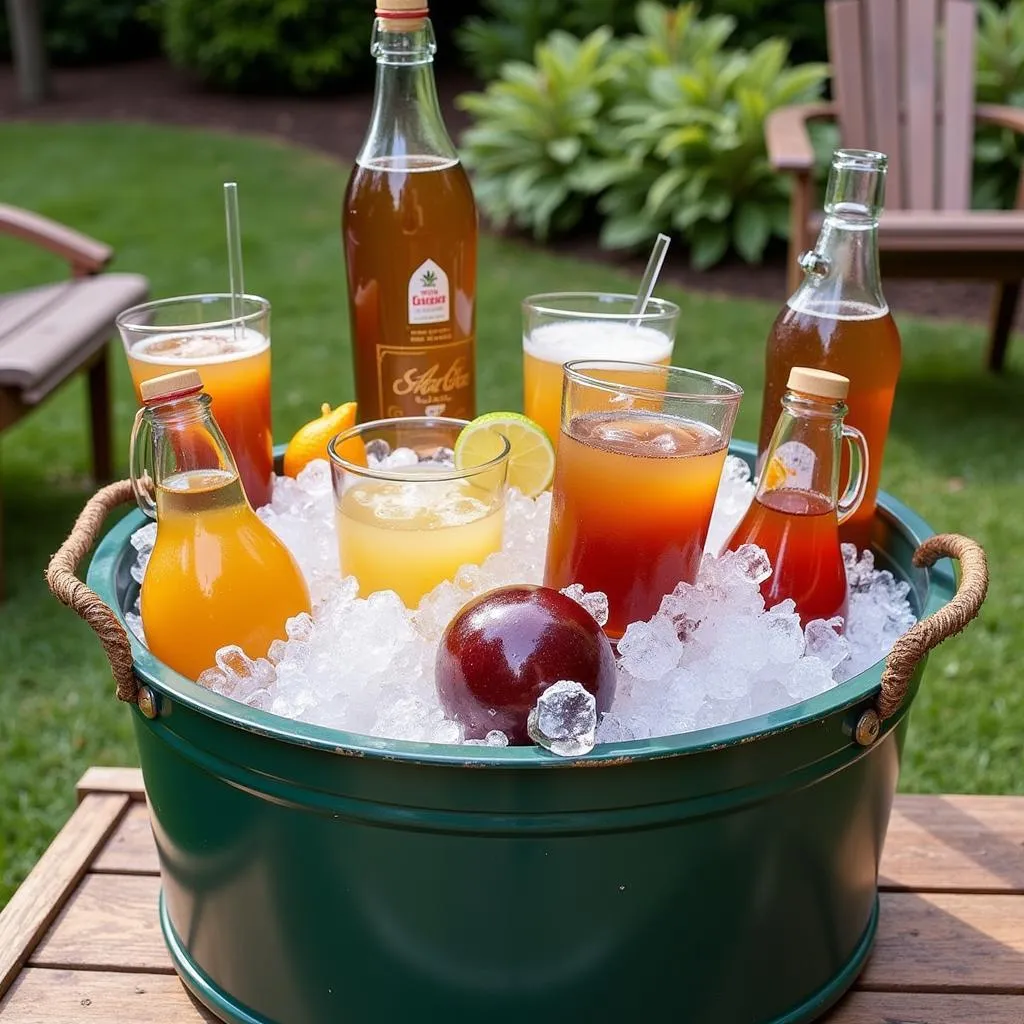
(663,131)
(268,45)
(90,31)
(512,29)
(999,78)
(536,141)
(692,131)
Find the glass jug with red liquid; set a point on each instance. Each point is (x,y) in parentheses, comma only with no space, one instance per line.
(218,575)
(838,320)
(796,512)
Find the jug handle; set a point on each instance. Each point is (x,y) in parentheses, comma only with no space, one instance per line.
(70,590)
(141,479)
(851,498)
(949,620)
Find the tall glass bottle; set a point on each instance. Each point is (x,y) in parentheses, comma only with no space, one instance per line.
(838,320)
(409,225)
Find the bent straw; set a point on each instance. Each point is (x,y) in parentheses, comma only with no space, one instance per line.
(650,278)
(234,251)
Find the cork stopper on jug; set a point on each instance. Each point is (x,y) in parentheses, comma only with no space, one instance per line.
(821,383)
(171,385)
(401,8)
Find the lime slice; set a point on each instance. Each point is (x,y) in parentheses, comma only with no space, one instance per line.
(531,461)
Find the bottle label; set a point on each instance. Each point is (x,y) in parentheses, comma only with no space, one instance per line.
(426,380)
(428,294)
(792,465)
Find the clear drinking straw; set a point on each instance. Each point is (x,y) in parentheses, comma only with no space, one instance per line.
(650,278)
(234,252)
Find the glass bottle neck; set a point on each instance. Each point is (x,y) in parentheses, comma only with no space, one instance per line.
(186,439)
(841,273)
(804,450)
(407,129)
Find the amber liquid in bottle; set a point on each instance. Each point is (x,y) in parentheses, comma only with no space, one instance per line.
(838,320)
(410,246)
(862,344)
(409,227)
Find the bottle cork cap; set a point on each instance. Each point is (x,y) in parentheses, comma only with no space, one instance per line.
(181,382)
(822,383)
(402,8)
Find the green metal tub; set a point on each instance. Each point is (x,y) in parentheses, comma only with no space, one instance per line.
(317,877)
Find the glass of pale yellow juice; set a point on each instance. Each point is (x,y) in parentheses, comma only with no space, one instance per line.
(561,326)
(406,517)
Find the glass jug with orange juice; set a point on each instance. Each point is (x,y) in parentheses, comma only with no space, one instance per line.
(218,574)
(838,319)
(796,512)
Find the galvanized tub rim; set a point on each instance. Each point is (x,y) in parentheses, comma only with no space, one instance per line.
(938,587)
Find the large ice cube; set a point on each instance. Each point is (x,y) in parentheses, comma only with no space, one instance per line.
(564,719)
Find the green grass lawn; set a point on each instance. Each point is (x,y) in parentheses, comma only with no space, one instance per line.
(956,453)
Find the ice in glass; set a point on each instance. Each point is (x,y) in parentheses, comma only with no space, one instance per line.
(408,519)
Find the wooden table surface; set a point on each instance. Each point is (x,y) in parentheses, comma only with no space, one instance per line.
(80,942)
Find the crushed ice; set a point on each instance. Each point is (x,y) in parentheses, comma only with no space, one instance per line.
(712,655)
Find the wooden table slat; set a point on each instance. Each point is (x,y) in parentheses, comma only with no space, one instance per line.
(109,923)
(948,942)
(100,997)
(131,849)
(35,904)
(907,1008)
(112,780)
(927,943)
(955,843)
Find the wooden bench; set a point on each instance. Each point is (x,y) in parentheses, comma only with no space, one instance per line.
(80,942)
(50,333)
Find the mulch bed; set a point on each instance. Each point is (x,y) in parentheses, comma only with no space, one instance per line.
(152,91)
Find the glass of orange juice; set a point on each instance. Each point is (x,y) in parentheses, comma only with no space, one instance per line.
(231,353)
(635,481)
(562,326)
(406,517)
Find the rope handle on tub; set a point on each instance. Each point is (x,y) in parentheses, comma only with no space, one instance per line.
(70,590)
(903,659)
(949,620)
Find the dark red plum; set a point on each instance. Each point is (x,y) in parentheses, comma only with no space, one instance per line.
(507,646)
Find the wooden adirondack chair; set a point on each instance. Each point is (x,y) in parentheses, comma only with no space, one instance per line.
(903,84)
(49,333)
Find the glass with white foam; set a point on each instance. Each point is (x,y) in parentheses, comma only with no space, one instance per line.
(406,517)
(232,355)
(559,327)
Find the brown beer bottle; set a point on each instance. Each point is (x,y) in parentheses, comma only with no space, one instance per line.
(838,320)
(409,225)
